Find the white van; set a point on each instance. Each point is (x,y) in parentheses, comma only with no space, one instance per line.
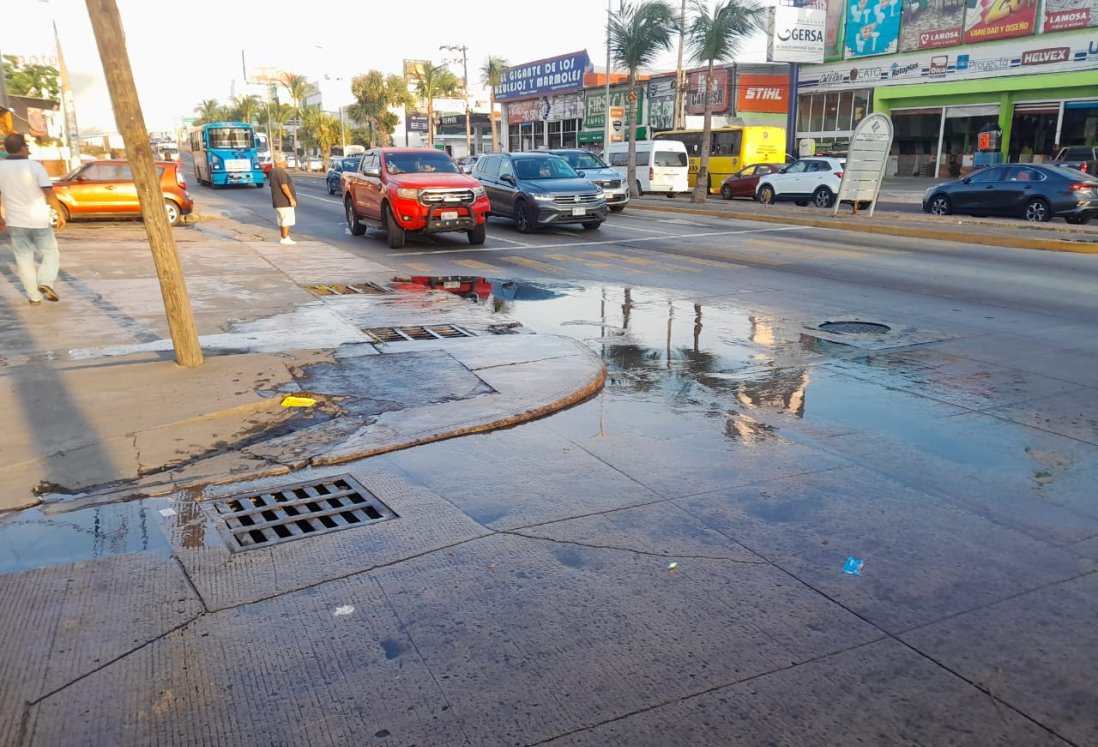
(662,165)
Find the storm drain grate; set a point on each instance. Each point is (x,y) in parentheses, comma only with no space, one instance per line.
(300,510)
(347,289)
(855,328)
(404,334)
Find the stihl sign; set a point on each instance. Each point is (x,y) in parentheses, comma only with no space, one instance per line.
(762,93)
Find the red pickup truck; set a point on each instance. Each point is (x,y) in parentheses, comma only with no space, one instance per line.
(406,190)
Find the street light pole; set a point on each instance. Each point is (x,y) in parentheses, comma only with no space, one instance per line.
(465,91)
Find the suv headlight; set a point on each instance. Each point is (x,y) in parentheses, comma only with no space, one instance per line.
(543,197)
(408,193)
(600,194)
(479,192)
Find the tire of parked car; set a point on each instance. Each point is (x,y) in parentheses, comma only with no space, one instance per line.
(940,205)
(617,208)
(397,235)
(1078,220)
(522,217)
(590,225)
(477,234)
(1037,211)
(801,203)
(766,195)
(823,197)
(726,192)
(330,190)
(356,228)
(173,212)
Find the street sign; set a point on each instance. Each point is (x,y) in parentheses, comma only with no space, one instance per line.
(866,160)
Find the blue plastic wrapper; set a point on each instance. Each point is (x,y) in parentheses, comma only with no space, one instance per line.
(853,566)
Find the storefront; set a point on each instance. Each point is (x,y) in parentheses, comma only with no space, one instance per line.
(1013,100)
(594,113)
(543,102)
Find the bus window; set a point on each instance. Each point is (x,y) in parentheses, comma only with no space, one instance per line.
(727,142)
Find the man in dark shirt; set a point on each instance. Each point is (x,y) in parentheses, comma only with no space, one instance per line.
(283,197)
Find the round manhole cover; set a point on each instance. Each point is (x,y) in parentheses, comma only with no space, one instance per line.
(855,328)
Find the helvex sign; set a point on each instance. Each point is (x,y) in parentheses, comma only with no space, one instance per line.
(1046,56)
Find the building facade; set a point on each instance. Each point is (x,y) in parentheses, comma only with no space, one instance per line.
(966,84)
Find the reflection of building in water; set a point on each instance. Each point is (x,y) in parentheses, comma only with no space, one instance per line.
(783,390)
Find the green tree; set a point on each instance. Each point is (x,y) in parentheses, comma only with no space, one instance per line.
(280,114)
(247,108)
(374,94)
(491,75)
(298,87)
(209,111)
(38,81)
(320,129)
(432,82)
(638,35)
(715,35)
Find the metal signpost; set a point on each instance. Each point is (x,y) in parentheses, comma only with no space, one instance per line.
(866,161)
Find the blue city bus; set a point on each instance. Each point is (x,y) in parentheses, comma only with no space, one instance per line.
(226,153)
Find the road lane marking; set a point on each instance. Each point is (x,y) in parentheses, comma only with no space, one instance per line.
(533,264)
(641,230)
(586,262)
(419,267)
(641,261)
(472,264)
(322,199)
(609,242)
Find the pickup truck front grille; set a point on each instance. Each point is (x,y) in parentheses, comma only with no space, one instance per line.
(609,183)
(575,199)
(446,196)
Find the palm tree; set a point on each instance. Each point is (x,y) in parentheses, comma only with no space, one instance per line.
(715,35)
(321,129)
(638,34)
(433,81)
(280,114)
(298,87)
(374,94)
(491,75)
(208,111)
(246,108)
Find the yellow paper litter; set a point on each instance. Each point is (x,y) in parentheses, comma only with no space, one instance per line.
(298,402)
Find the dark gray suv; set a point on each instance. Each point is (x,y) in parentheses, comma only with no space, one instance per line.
(539,189)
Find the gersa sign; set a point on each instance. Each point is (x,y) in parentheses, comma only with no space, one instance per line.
(796,34)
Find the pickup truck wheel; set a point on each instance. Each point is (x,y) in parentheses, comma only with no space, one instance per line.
(522,217)
(476,236)
(356,228)
(397,235)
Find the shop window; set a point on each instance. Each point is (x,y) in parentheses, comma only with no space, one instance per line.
(817,122)
(861,104)
(831,112)
(842,118)
(804,112)
(1080,125)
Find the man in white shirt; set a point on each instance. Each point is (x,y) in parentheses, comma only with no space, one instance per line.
(26,195)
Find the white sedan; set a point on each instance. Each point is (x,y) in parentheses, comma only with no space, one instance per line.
(814,180)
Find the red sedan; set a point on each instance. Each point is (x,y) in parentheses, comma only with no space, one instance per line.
(745,182)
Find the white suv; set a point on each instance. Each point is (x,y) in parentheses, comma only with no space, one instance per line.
(814,180)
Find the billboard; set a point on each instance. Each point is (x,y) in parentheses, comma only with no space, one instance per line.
(796,34)
(986,20)
(1064,15)
(553,75)
(872,27)
(762,93)
(833,30)
(661,103)
(695,91)
(928,25)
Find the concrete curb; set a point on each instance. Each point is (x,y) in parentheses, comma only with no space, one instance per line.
(163,483)
(935,234)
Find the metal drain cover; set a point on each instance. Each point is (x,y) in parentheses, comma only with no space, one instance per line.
(855,328)
(404,334)
(347,289)
(304,509)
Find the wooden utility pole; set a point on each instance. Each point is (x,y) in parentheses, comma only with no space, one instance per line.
(109,37)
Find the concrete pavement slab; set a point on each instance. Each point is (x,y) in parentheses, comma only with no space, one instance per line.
(1036,651)
(520,477)
(526,654)
(1060,356)
(1064,414)
(882,693)
(920,564)
(65,622)
(288,671)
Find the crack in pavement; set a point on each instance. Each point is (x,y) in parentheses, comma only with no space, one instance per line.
(647,553)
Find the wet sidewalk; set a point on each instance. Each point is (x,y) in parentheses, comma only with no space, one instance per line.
(300,369)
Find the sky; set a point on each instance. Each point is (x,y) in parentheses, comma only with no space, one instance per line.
(183,53)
